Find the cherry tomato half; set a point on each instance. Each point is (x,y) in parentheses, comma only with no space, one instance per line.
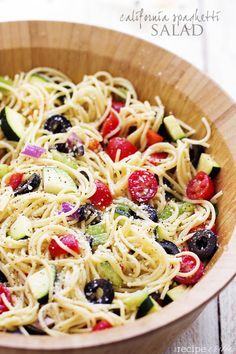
(122,144)
(102,198)
(153,137)
(110,124)
(117,105)
(15,180)
(200,187)
(187,264)
(204,226)
(101,325)
(68,240)
(156,156)
(142,186)
(4,290)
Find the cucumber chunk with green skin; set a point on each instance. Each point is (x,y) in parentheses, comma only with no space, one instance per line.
(12,124)
(208,165)
(99,239)
(96,229)
(173,128)
(37,79)
(4,169)
(186,207)
(148,306)
(21,228)
(55,180)
(166,212)
(6,81)
(107,272)
(161,233)
(64,158)
(176,292)
(123,210)
(135,299)
(39,282)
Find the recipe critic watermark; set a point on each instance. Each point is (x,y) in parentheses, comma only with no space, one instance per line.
(162,23)
(204,349)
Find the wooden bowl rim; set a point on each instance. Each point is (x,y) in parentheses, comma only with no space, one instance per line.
(218,276)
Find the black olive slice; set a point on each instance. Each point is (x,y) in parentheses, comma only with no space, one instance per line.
(28,186)
(92,289)
(57,124)
(151,211)
(3,278)
(87,211)
(194,152)
(169,247)
(203,243)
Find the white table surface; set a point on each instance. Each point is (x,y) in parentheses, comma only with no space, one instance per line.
(214,52)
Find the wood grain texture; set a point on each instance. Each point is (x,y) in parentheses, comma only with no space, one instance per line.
(25,45)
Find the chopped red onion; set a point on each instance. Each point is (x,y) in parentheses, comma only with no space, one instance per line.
(73,139)
(66,207)
(33,151)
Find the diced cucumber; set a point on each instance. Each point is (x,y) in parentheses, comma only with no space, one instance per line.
(173,128)
(4,169)
(21,228)
(39,282)
(186,207)
(37,79)
(161,233)
(135,299)
(99,239)
(12,124)
(6,81)
(123,210)
(55,180)
(107,272)
(208,165)
(96,229)
(148,306)
(64,158)
(98,233)
(175,293)
(166,212)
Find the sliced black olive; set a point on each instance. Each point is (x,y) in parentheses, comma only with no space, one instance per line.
(169,247)
(194,152)
(28,186)
(93,288)
(151,211)
(32,329)
(77,150)
(3,278)
(203,243)
(62,147)
(57,124)
(132,129)
(85,175)
(168,196)
(87,211)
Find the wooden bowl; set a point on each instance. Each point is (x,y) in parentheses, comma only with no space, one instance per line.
(79,49)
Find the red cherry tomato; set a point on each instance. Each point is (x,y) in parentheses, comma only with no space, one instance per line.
(110,124)
(68,240)
(204,226)
(122,144)
(117,105)
(153,137)
(156,156)
(94,145)
(142,186)
(200,187)
(102,198)
(15,180)
(101,325)
(187,264)
(4,290)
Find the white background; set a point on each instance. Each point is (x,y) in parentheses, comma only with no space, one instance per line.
(215,53)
